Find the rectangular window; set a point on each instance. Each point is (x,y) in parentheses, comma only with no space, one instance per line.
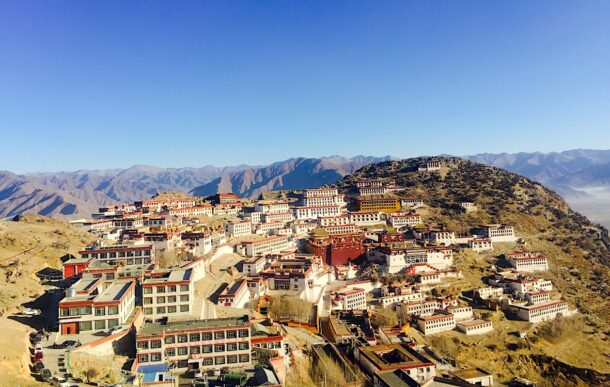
(171,309)
(148,300)
(184,297)
(182,338)
(219,360)
(160,300)
(161,309)
(231,347)
(184,288)
(84,326)
(160,289)
(194,337)
(171,299)
(113,310)
(244,333)
(100,324)
(113,323)
(155,344)
(184,308)
(231,334)
(194,350)
(182,351)
(170,339)
(207,349)
(208,361)
(85,310)
(219,348)
(171,352)
(243,346)
(171,289)
(206,336)
(143,358)
(155,357)
(101,311)
(232,359)
(244,358)
(142,344)
(219,335)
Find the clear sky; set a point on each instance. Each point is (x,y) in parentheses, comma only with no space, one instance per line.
(105,84)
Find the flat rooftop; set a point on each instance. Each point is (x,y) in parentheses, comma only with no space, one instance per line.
(178,326)
(176,275)
(115,291)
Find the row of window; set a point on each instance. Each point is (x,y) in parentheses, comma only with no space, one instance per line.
(165,289)
(210,348)
(168,299)
(122,254)
(207,361)
(87,310)
(168,309)
(99,324)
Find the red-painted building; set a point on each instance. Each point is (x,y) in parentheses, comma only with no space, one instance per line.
(74,267)
(338,250)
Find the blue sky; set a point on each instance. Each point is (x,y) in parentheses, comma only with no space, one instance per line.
(87,85)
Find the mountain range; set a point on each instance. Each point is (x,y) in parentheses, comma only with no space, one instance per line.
(79,193)
(581,176)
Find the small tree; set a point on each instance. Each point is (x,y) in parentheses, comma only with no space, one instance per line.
(91,372)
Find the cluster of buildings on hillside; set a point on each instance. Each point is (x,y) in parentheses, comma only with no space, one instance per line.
(326,247)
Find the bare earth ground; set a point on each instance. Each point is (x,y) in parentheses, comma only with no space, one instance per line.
(50,239)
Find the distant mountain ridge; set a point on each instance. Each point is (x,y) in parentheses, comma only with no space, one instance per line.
(581,176)
(81,192)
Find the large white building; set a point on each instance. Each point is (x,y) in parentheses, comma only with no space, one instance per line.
(364,218)
(239,229)
(270,245)
(168,294)
(436,323)
(475,327)
(349,299)
(316,212)
(527,261)
(399,220)
(499,232)
(541,312)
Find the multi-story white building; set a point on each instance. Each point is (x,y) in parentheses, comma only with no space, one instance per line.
(254,265)
(324,221)
(541,312)
(499,232)
(201,210)
(93,305)
(316,212)
(270,245)
(349,299)
(284,217)
(436,323)
(527,261)
(368,191)
(364,218)
(272,207)
(308,193)
(399,220)
(538,298)
(340,229)
(268,228)
(235,295)
(460,312)
(390,300)
(256,217)
(239,229)
(481,244)
(316,201)
(303,227)
(411,202)
(168,293)
(488,292)
(440,237)
(197,345)
(475,327)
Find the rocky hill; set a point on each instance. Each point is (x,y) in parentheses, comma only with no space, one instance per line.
(581,176)
(26,247)
(578,253)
